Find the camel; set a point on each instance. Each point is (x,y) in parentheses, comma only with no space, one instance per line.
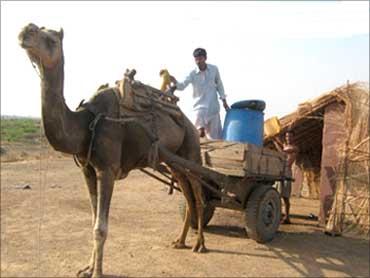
(118,148)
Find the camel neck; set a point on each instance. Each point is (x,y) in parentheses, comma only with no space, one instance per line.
(64,129)
(53,80)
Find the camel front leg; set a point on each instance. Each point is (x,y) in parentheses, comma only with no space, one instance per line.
(105,190)
(91,182)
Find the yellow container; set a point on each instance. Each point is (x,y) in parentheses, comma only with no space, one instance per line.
(272,127)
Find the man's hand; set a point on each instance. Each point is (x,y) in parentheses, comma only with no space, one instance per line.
(226,106)
(173,79)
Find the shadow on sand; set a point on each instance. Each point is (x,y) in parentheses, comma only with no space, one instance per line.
(230,231)
(310,254)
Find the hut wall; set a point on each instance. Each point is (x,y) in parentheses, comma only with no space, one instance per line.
(334,134)
(350,209)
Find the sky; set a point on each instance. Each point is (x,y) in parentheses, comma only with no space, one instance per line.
(281,52)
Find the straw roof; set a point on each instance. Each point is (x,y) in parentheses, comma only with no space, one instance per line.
(307,120)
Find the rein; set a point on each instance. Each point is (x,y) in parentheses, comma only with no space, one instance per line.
(40,74)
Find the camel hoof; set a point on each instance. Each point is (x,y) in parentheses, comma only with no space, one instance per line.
(199,248)
(85,272)
(285,221)
(202,249)
(178,245)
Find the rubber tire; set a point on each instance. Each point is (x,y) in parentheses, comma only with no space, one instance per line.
(255,227)
(208,214)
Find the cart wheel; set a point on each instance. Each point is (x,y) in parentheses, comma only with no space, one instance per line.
(262,214)
(208,213)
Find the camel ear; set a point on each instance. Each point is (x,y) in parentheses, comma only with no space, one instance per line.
(61,33)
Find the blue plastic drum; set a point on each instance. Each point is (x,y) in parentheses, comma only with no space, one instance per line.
(244,124)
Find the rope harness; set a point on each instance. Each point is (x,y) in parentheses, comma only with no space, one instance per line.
(42,181)
(92,126)
(153,153)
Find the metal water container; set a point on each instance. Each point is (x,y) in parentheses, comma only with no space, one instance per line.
(244,122)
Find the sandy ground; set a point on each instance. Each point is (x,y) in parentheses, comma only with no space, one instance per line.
(46,231)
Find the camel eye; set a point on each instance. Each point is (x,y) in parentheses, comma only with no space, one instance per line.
(50,42)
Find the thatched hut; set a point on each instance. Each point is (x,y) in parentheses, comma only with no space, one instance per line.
(332,135)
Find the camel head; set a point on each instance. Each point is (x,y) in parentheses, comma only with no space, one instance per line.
(43,46)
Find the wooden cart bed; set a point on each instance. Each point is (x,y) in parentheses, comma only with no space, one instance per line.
(240,160)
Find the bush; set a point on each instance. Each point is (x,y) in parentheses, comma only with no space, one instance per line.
(19,129)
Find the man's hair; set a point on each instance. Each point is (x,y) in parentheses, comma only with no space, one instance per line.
(200,52)
(290,130)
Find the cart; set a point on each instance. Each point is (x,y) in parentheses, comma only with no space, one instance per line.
(235,176)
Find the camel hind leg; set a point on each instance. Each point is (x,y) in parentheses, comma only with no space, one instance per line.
(199,203)
(179,243)
(190,150)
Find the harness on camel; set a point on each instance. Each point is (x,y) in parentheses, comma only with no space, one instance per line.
(135,98)
(139,103)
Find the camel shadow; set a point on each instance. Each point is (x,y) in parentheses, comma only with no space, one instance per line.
(229,230)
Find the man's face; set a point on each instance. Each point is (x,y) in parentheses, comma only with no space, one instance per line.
(200,61)
(289,137)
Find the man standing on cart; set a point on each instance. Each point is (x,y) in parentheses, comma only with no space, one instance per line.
(206,82)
